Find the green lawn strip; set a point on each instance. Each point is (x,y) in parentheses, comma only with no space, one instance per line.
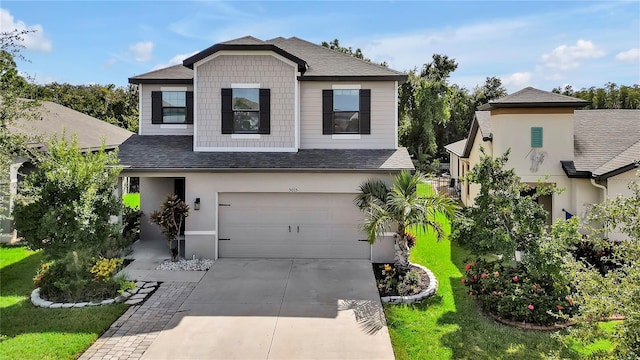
(36,333)
(131,200)
(450,324)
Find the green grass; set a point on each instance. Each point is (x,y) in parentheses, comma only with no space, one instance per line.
(28,332)
(451,326)
(131,200)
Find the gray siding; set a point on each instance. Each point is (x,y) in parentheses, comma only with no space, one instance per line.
(146,127)
(382,117)
(224,70)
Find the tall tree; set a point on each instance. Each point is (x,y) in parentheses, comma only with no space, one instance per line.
(12,108)
(611,96)
(424,105)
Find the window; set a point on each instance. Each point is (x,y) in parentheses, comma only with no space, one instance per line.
(536,137)
(246,111)
(172,107)
(346,111)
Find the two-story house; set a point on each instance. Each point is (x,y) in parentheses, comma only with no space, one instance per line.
(268,142)
(591,154)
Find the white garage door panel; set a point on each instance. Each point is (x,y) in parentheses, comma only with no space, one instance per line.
(290,226)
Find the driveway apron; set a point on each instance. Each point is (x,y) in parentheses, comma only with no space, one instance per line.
(279,309)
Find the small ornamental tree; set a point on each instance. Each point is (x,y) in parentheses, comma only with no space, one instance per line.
(404,207)
(170,217)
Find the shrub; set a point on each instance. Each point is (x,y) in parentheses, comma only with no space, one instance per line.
(391,281)
(131,224)
(512,293)
(76,278)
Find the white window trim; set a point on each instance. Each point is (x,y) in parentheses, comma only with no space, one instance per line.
(245,86)
(243,149)
(345,137)
(345,87)
(246,136)
(173,126)
(173,88)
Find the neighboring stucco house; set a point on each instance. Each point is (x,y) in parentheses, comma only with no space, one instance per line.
(54,120)
(592,154)
(267,142)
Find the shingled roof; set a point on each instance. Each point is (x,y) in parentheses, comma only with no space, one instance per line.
(531,97)
(175,153)
(481,122)
(606,141)
(54,120)
(315,62)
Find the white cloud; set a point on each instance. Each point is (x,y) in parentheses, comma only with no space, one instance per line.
(631,55)
(142,51)
(34,40)
(174,60)
(567,57)
(517,80)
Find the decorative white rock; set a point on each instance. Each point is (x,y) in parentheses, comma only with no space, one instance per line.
(429,291)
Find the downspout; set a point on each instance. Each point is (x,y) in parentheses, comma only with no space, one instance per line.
(604,188)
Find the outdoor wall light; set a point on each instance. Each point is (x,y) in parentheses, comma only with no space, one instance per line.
(196,204)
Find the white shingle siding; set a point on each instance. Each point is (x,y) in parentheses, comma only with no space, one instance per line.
(222,71)
(146,127)
(382,117)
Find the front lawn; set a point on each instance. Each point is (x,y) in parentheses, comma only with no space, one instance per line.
(28,332)
(450,324)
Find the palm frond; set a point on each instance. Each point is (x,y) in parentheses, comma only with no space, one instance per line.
(371,191)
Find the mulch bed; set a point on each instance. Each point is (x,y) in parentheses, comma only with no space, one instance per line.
(422,285)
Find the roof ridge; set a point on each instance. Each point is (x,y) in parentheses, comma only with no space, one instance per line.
(347,55)
(161,69)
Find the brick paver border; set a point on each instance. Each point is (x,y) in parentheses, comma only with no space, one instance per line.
(132,334)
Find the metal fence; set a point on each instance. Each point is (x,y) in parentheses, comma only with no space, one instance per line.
(448,187)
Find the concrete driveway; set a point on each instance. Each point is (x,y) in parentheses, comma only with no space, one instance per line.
(279,309)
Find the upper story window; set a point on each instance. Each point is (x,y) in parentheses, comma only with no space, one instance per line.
(346,111)
(246,111)
(172,107)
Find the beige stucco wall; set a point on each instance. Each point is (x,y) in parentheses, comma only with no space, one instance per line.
(619,186)
(383,117)
(454,165)
(152,193)
(146,127)
(470,191)
(583,196)
(221,71)
(201,226)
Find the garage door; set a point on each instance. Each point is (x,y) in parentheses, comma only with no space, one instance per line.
(290,225)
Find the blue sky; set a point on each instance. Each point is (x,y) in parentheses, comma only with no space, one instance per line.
(540,44)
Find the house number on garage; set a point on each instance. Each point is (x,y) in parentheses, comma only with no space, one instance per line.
(293,189)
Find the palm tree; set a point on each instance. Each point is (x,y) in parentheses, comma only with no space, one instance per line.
(402,206)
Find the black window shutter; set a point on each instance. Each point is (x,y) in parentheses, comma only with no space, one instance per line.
(327,112)
(227,111)
(365,111)
(265,111)
(189,103)
(156,107)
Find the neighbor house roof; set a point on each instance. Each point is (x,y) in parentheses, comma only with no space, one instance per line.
(457,147)
(481,121)
(174,152)
(315,62)
(606,141)
(531,97)
(54,119)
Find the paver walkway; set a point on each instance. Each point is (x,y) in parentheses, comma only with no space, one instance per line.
(132,334)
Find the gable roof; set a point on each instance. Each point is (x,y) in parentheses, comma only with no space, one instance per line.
(481,121)
(175,152)
(456,148)
(56,119)
(531,97)
(177,74)
(315,62)
(606,141)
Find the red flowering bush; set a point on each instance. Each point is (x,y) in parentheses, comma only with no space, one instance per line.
(511,293)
